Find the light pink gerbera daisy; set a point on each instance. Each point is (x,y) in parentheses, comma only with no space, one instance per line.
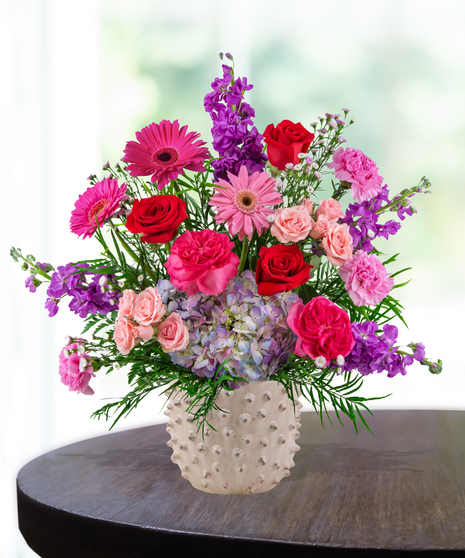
(242,203)
(164,151)
(97,203)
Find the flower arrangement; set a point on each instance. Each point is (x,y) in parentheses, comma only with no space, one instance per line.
(221,270)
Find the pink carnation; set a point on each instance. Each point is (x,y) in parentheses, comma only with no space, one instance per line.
(172,334)
(202,261)
(76,369)
(352,165)
(331,208)
(148,307)
(366,279)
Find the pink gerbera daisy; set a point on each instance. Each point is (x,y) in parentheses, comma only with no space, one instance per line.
(164,151)
(97,203)
(242,203)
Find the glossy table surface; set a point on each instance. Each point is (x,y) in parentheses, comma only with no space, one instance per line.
(398,493)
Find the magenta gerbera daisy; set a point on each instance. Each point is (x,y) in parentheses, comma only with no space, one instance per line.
(164,151)
(242,203)
(97,203)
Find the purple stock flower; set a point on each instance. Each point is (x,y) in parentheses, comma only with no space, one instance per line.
(87,296)
(363,221)
(32,282)
(235,138)
(376,353)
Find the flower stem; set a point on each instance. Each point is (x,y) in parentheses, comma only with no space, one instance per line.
(244,254)
(178,191)
(131,252)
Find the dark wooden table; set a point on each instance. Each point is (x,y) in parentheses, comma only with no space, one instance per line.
(400,493)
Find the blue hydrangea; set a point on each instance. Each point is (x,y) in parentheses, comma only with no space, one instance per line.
(240,328)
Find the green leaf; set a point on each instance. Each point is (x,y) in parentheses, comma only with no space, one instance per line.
(307,292)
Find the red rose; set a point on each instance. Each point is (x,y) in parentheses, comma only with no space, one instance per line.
(281,268)
(157,218)
(322,329)
(285,142)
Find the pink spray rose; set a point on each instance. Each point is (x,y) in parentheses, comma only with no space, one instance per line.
(292,224)
(331,208)
(128,334)
(321,226)
(322,329)
(148,307)
(126,304)
(172,334)
(76,369)
(308,204)
(352,165)
(337,243)
(202,261)
(366,279)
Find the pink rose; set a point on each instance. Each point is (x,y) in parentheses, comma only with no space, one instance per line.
(126,304)
(172,334)
(352,165)
(292,224)
(322,329)
(337,243)
(148,307)
(331,208)
(76,369)
(202,261)
(366,279)
(321,227)
(308,204)
(128,334)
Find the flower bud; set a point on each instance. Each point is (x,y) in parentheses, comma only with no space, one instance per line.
(24,266)
(320,361)
(318,175)
(289,166)
(301,155)
(140,278)
(68,340)
(315,166)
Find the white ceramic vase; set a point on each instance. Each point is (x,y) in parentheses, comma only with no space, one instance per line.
(253,446)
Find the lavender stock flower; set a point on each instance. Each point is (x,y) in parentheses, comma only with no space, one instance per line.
(376,353)
(88,296)
(235,138)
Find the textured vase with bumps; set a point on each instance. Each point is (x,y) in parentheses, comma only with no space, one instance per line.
(254,444)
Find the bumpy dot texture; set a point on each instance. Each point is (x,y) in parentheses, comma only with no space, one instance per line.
(253,446)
